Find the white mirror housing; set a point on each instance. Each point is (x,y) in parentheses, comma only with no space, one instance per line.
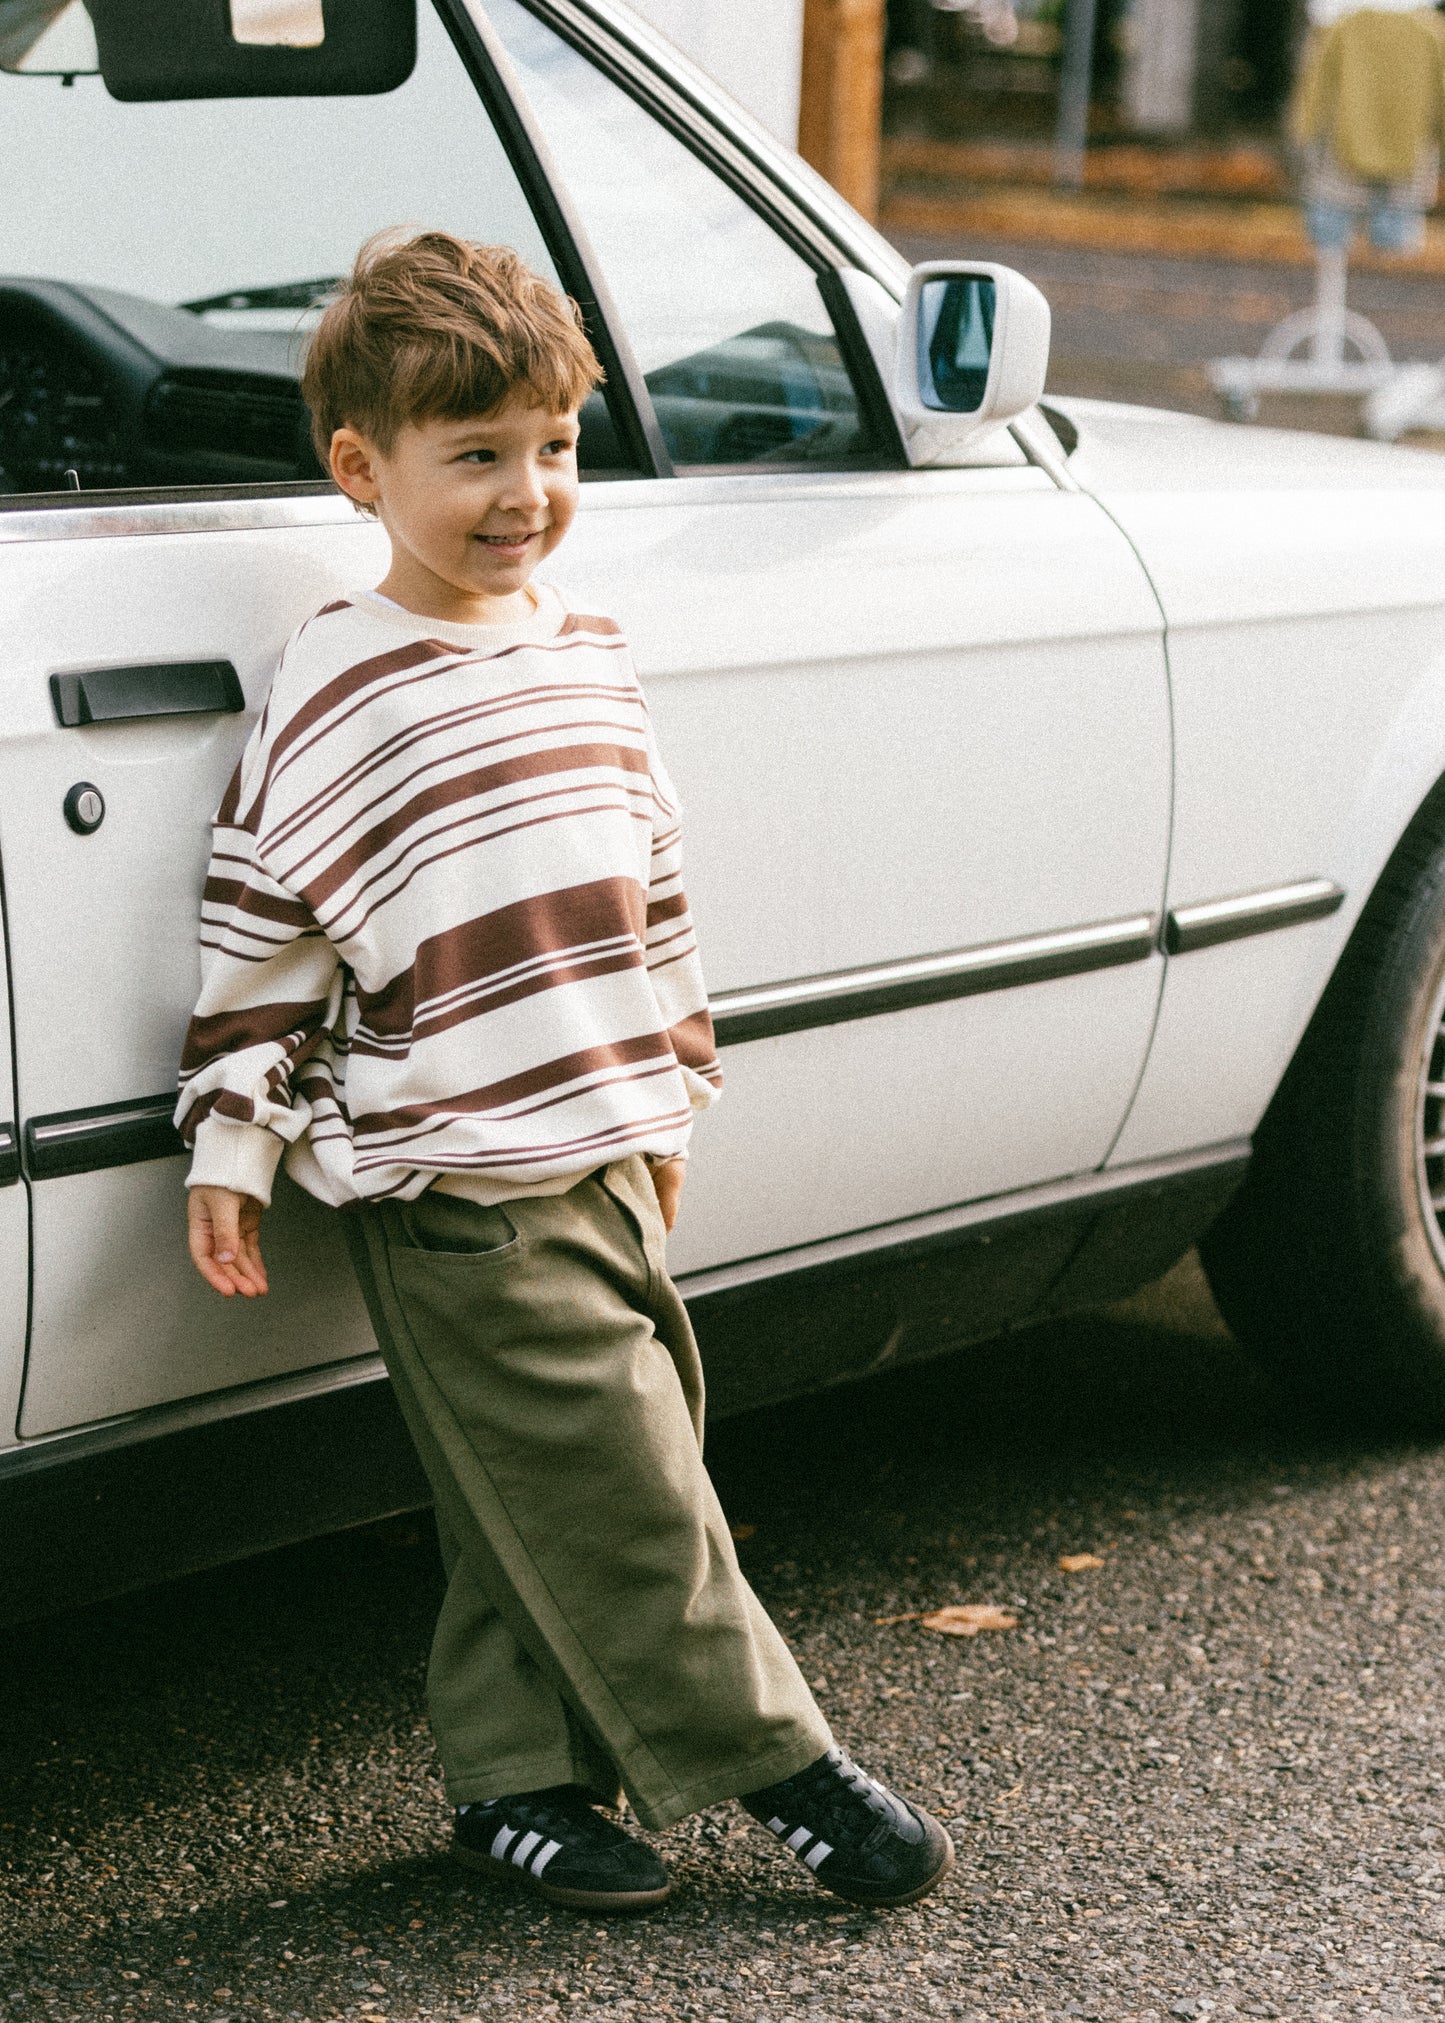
(1018,361)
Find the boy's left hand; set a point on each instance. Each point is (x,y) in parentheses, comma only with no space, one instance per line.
(667,1180)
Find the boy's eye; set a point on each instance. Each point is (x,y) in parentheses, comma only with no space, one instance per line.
(560,448)
(477,457)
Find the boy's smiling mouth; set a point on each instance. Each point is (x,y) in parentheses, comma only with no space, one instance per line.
(510,543)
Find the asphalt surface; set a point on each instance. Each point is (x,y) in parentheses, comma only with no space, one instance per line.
(1200,1780)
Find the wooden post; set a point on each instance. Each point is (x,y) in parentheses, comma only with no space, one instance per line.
(842,98)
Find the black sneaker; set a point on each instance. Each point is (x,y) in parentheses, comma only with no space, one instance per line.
(565,1850)
(860,1840)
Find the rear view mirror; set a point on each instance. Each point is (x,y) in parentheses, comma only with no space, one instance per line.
(973,353)
(179,49)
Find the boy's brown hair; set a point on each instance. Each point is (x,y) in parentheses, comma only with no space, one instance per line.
(436,326)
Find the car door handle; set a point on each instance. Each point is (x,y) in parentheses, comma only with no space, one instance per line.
(166,688)
(116,1134)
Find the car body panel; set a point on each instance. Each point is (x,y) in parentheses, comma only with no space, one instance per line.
(1303,581)
(1006,653)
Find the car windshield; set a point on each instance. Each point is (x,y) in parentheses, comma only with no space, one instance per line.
(198,201)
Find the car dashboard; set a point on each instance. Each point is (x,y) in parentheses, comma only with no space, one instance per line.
(100,390)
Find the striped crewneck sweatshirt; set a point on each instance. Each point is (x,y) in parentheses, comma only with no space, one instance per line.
(444,937)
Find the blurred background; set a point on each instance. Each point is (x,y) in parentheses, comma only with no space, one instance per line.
(1131,156)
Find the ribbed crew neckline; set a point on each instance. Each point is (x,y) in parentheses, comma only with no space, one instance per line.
(545,622)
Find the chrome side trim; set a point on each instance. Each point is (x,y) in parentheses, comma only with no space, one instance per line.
(794,1006)
(924,1230)
(1216,920)
(9,1156)
(64,520)
(83,1141)
(50,1450)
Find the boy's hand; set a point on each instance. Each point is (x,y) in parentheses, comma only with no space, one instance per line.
(667,1180)
(225,1238)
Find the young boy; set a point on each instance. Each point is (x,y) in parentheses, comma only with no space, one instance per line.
(449,971)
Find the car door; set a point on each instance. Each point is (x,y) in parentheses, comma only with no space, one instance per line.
(909,712)
(197,535)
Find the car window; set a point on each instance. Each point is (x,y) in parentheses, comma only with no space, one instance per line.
(727,321)
(161,263)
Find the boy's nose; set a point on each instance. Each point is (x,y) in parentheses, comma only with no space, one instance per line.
(524,490)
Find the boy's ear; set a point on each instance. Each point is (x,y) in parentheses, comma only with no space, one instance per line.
(353,466)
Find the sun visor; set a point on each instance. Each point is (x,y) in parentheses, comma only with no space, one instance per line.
(179,49)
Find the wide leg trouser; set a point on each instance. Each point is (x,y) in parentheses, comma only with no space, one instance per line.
(596,1627)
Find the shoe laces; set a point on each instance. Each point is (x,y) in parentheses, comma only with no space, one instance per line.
(845,1804)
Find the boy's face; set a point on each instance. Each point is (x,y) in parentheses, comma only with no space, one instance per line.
(471,506)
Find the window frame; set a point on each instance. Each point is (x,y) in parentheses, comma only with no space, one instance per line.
(751,179)
(724,149)
(146,508)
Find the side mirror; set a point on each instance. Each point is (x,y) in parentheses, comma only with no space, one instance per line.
(972,354)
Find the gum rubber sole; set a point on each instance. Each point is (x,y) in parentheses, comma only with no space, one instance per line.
(871,1902)
(572,1900)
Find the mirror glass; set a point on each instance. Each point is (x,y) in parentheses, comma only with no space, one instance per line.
(46,38)
(955,341)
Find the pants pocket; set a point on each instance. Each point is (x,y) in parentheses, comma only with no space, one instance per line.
(446,1225)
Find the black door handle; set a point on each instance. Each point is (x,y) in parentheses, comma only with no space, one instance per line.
(169,688)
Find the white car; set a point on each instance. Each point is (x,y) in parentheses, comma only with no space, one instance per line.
(1064,783)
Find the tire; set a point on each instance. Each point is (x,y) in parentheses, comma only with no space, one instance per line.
(1329,1264)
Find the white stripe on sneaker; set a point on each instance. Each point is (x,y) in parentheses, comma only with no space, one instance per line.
(541,1861)
(798,1839)
(777,1826)
(819,1853)
(524,1848)
(505,1836)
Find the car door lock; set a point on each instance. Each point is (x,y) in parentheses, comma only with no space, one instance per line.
(84,808)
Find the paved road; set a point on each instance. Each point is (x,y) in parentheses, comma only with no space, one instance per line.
(1141,327)
(1202,1780)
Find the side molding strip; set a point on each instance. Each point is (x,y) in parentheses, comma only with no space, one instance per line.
(9,1156)
(771,1008)
(1191,927)
(83,1141)
(919,1232)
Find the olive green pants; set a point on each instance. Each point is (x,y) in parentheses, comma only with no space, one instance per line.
(596,1628)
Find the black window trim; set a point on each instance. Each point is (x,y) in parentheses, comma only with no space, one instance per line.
(664,94)
(748,175)
(544,188)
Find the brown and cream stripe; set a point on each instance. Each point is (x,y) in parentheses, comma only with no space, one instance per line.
(444,930)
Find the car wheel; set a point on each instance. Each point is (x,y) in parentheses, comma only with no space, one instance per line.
(1329,1264)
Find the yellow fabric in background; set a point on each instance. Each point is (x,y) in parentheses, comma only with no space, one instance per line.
(1373,87)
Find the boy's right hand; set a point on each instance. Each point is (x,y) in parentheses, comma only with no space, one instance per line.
(225,1238)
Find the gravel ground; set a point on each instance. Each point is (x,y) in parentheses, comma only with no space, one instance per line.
(1199,1780)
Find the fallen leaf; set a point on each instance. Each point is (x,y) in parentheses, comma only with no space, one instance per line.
(912,1616)
(742,1531)
(1079,1562)
(966,1619)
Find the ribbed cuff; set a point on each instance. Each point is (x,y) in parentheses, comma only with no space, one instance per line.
(701,1094)
(243,1157)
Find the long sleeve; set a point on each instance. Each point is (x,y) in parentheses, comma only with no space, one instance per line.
(674,966)
(270,988)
